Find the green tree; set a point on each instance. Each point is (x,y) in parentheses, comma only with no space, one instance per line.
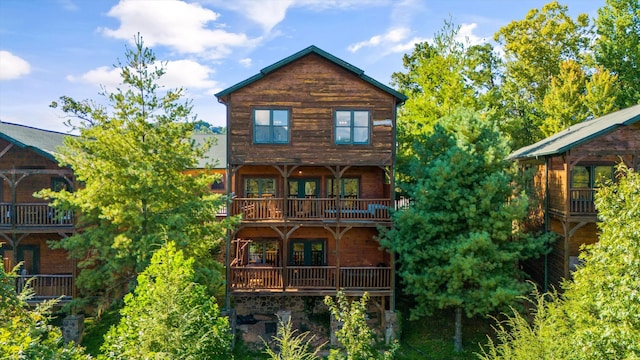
(617,47)
(130,160)
(169,315)
(292,346)
(598,315)
(535,47)
(354,335)
(456,244)
(440,77)
(25,333)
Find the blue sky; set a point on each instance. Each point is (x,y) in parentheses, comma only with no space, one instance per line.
(50,48)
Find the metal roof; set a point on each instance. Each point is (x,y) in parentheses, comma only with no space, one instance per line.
(41,141)
(578,134)
(315,50)
(216,156)
(46,142)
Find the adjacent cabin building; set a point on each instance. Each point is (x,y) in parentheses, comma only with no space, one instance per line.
(310,153)
(569,166)
(27,223)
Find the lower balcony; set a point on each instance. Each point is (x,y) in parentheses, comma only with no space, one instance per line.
(310,279)
(46,286)
(33,215)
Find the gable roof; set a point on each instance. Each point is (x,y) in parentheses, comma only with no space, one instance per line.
(46,142)
(315,50)
(43,142)
(216,156)
(578,134)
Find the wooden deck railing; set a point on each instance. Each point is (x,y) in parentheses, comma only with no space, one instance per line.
(47,286)
(255,277)
(297,278)
(33,215)
(365,277)
(582,201)
(253,209)
(315,277)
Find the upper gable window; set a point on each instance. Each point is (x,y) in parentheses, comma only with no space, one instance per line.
(271,126)
(352,127)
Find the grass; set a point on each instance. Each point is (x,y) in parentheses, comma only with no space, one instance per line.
(432,337)
(95,330)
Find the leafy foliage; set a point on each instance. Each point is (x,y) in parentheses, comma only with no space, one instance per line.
(456,244)
(436,84)
(355,335)
(598,314)
(169,316)
(131,163)
(292,346)
(617,47)
(26,333)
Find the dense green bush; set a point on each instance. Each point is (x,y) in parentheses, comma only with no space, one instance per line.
(169,316)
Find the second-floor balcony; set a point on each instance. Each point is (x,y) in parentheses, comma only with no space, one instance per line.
(33,215)
(46,286)
(325,209)
(309,278)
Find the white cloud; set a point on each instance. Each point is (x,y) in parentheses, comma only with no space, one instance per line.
(68,5)
(179,25)
(104,75)
(246,62)
(187,74)
(386,40)
(269,13)
(12,66)
(466,35)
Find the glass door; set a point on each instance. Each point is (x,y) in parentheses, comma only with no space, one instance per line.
(302,195)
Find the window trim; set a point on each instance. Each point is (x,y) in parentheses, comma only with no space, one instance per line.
(308,246)
(591,169)
(271,126)
(331,181)
(352,127)
(260,186)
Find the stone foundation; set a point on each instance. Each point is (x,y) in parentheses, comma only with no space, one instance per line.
(257,319)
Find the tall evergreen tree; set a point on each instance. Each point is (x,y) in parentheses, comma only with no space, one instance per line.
(456,244)
(130,160)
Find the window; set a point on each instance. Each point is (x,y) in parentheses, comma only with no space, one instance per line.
(303,188)
(349,188)
(307,253)
(58,184)
(271,126)
(590,176)
(264,252)
(218,185)
(259,187)
(352,127)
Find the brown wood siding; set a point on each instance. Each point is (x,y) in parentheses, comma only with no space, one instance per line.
(49,261)
(372,179)
(358,246)
(17,158)
(621,141)
(312,88)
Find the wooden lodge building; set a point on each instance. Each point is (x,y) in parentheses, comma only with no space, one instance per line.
(569,166)
(27,223)
(27,165)
(310,153)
